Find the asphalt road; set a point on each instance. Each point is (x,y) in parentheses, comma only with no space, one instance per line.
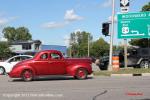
(67,88)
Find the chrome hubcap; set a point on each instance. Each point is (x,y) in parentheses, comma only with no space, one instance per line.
(81,74)
(27,75)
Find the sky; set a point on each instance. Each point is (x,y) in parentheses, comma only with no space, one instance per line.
(52,21)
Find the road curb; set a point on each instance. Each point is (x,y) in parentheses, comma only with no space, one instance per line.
(120,75)
(146,74)
(129,75)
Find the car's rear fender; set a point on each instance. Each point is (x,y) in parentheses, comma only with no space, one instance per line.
(71,70)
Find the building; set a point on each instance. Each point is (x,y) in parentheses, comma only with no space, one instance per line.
(33,46)
(24,47)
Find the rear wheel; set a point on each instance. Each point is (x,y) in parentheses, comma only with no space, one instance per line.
(144,64)
(2,70)
(81,74)
(27,75)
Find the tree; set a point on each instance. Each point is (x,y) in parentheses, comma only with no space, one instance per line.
(145,42)
(99,48)
(22,33)
(79,43)
(9,33)
(146,7)
(18,34)
(4,50)
(140,42)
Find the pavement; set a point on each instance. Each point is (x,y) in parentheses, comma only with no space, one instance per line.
(67,88)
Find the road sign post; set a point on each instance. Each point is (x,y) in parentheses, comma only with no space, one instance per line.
(124,5)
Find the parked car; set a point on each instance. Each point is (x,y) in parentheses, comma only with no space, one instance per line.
(7,65)
(51,62)
(137,58)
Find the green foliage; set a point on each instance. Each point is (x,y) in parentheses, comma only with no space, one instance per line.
(99,48)
(79,43)
(18,34)
(4,50)
(22,33)
(142,42)
(9,33)
(146,7)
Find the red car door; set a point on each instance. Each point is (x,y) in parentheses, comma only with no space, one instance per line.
(41,65)
(57,65)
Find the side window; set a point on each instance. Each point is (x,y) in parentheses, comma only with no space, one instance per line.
(12,60)
(55,56)
(25,57)
(44,56)
(16,59)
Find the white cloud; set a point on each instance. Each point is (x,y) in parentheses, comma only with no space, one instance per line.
(107,3)
(13,18)
(3,21)
(67,40)
(68,18)
(71,16)
(77,30)
(51,25)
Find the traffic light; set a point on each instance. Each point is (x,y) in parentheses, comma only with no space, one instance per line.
(105,29)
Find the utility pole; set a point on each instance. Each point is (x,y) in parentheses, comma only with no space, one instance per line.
(88,45)
(111,36)
(70,42)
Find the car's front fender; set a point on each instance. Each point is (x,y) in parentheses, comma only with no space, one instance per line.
(16,72)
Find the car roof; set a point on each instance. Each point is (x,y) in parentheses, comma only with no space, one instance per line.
(18,56)
(21,56)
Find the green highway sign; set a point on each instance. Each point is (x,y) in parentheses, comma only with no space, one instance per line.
(134,25)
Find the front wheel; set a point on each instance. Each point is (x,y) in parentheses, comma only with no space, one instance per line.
(2,70)
(81,74)
(144,64)
(27,75)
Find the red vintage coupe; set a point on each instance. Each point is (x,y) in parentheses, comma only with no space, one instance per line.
(51,62)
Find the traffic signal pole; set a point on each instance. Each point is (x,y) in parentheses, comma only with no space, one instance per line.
(111,36)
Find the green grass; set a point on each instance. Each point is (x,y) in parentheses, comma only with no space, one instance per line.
(122,71)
